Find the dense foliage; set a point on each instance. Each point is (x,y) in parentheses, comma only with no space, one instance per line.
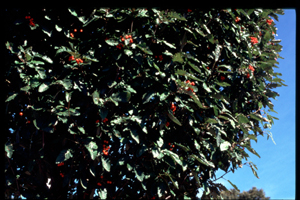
(135,102)
(253,193)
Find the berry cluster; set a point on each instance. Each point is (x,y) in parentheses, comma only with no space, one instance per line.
(126,37)
(119,46)
(173,108)
(253,40)
(171,146)
(222,78)
(105,148)
(168,124)
(160,58)
(269,21)
(62,175)
(251,68)
(78,60)
(237,19)
(60,164)
(75,30)
(191,89)
(31,23)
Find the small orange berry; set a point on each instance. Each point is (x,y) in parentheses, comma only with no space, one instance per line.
(75,30)
(81,30)
(122,39)
(131,41)
(129,36)
(101,176)
(173,145)
(21,114)
(71,34)
(126,36)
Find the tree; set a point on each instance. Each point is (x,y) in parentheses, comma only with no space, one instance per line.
(135,102)
(253,193)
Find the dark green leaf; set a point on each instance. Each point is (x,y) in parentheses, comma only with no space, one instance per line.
(243,119)
(178,58)
(233,185)
(9,149)
(194,67)
(224,146)
(11,97)
(121,96)
(134,134)
(145,48)
(64,155)
(43,87)
(173,118)
(105,163)
(147,96)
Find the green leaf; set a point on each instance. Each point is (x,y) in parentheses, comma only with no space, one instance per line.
(206,87)
(102,193)
(81,129)
(210,120)
(9,149)
(197,69)
(234,186)
(145,48)
(105,163)
(128,52)
(203,161)
(46,58)
(139,174)
(43,87)
(176,16)
(160,142)
(222,84)
(147,96)
(121,96)
(83,183)
(64,155)
(196,145)
(184,73)
(178,58)
(58,28)
(73,12)
(41,72)
(173,118)
(168,44)
(142,149)
(112,42)
(134,134)
(11,97)
(243,119)
(173,155)
(224,146)
(253,137)
(48,32)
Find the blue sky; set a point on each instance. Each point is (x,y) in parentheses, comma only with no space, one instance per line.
(276,167)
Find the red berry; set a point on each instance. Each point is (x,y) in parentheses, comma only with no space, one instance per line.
(99,184)
(97,121)
(71,34)
(21,114)
(131,41)
(122,39)
(81,30)
(101,176)
(129,36)
(75,30)
(126,36)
